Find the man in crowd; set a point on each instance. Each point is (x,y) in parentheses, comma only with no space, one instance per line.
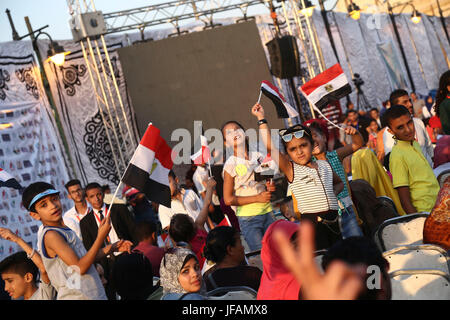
(80,209)
(122,228)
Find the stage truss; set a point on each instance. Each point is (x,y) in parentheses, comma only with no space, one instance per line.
(91,37)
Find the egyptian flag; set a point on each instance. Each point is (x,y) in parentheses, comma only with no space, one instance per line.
(203,154)
(326,87)
(225,222)
(148,170)
(7,180)
(284,109)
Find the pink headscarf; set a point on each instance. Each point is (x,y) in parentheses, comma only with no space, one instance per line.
(277,283)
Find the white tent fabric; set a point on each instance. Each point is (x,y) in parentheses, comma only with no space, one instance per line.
(29,146)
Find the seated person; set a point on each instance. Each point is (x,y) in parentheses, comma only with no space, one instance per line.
(146,235)
(181,277)
(362,252)
(132,276)
(225,249)
(412,175)
(184,231)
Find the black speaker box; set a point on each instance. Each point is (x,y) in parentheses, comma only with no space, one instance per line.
(284,57)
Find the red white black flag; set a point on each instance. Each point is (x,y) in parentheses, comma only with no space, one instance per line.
(148,170)
(326,87)
(7,180)
(284,109)
(203,154)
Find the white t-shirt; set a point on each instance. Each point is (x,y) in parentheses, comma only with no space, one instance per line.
(44,292)
(191,205)
(72,219)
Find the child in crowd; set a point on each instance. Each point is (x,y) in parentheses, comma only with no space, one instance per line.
(148,244)
(183,201)
(372,130)
(181,277)
(68,265)
(20,276)
(225,249)
(312,182)
(412,175)
(348,219)
(240,188)
(184,231)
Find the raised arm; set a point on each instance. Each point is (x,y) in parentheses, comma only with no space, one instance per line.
(35,257)
(282,160)
(202,217)
(357,143)
(56,245)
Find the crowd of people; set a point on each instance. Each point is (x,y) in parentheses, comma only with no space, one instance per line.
(131,248)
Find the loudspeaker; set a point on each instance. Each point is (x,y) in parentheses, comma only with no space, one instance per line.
(284,57)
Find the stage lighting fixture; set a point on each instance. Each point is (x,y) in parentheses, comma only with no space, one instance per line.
(415,16)
(56,53)
(308,9)
(354,11)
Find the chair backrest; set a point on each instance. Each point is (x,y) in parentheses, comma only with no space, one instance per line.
(418,257)
(318,255)
(420,285)
(388,202)
(254,259)
(399,231)
(232,293)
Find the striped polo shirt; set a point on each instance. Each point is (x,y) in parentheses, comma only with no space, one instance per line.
(313,188)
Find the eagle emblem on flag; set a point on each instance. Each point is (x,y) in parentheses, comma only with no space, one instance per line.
(329,87)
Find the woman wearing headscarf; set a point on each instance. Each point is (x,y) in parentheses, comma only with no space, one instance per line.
(180,275)
(277,282)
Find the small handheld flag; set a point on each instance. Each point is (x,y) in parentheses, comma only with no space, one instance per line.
(326,87)
(284,109)
(203,155)
(7,180)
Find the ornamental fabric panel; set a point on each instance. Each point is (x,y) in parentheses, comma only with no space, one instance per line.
(29,145)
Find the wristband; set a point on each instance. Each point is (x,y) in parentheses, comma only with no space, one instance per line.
(30,256)
(260,122)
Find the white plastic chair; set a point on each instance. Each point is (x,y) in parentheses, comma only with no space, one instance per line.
(420,285)
(418,257)
(400,231)
(232,293)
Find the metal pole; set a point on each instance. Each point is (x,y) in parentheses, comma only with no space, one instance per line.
(444,26)
(327,27)
(397,36)
(15,35)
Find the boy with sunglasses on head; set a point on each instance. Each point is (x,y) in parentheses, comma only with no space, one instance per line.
(313,183)
(68,265)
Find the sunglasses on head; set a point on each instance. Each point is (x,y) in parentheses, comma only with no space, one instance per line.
(296,131)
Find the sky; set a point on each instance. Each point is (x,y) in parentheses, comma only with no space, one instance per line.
(55,13)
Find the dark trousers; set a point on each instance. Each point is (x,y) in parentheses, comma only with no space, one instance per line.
(327,231)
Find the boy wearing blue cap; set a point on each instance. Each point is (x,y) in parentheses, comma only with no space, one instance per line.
(69,266)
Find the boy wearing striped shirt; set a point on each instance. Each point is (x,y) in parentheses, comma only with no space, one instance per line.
(313,183)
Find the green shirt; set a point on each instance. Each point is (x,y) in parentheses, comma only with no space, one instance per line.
(409,168)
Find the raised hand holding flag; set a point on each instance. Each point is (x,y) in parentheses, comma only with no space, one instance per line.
(326,87)
(284,109)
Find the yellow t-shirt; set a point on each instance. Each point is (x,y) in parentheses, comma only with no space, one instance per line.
(242,171)
(409,168)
